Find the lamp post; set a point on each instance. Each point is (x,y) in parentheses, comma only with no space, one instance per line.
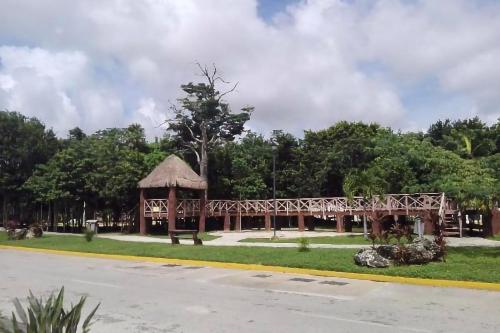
(274,149)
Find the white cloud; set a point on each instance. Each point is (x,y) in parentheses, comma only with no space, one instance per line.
(96,64)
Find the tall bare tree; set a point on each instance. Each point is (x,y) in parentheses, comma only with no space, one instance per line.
(203,119)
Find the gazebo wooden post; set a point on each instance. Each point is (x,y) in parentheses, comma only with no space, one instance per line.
(227,222)
(142,218)
(267,221)
(172,208)
(340,222)
(429,220)
(300,221)
(203,207)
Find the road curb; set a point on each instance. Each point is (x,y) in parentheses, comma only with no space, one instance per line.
(277,269)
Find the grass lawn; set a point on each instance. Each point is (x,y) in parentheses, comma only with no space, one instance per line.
(497,238)
(473,264)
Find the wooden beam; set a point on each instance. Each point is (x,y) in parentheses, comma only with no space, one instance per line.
(429,220)
(340,222)
(172,208)
(495,221)
(227,222)
(267,221)
(300,219)
(142,218)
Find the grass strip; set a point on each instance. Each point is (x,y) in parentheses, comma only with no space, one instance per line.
(468,263)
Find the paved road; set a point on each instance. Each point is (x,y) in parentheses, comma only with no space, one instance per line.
(147,297)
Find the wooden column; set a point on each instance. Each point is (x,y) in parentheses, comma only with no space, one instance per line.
(267,221)
(227,222)
(300,219)
(142,219)
(203,202)
(376,223)
(172,208)
(429,220)
(340,222)
(238,222)
(495,221)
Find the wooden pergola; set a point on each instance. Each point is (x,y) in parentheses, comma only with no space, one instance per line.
(172,173)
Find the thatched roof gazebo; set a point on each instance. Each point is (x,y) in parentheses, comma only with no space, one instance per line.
(172,173)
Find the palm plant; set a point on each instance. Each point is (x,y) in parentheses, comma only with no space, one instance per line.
(48,317)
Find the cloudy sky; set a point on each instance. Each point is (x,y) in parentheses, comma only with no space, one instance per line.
(302,64)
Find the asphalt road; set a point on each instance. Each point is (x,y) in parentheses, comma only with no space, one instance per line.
(147,297)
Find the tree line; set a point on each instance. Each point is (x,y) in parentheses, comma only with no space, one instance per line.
(43,177)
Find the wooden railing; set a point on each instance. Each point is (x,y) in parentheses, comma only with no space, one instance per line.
(320,206)
(155,207)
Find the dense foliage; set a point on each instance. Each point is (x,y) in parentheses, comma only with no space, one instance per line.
(102,169)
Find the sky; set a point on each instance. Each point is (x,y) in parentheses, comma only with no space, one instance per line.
(303,64)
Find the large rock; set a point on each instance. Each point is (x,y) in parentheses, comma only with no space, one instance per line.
(417,253)
(370,258)
(423,250)
(388,251)
(35,231)
(17,234)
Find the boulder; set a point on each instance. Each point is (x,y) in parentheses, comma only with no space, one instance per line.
(35,231)
(417,253)
(427,247)
(388,251)
(370,258)
(17,234)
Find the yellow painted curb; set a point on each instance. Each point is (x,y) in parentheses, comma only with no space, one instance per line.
(278,269)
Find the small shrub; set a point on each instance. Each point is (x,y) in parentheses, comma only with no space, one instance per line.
(440,241)
(304,245)
(49,316)
(89,235)
(373,237)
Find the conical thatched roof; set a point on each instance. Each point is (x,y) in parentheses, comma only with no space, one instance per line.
(173,172)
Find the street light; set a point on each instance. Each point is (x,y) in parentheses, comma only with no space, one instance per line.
(274,149)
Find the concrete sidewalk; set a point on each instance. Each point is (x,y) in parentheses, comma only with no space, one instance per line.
(234,238)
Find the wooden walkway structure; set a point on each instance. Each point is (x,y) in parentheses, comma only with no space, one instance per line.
(430,207)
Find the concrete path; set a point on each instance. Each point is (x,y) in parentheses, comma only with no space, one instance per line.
(233,239)
(147,297)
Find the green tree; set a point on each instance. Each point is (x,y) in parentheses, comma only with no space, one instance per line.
(204,120)
(24,143)
(327,156)
(250,165)
(468,138)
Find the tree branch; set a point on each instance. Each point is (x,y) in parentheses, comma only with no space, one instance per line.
(227,92)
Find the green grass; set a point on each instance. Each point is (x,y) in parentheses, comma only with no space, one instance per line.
(472,264)
(496,238)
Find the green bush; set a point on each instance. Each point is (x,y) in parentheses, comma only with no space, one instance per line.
(304,244)
(47,317)
(89,235)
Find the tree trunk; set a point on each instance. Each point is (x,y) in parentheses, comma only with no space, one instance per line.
(4,210)
(203,154)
